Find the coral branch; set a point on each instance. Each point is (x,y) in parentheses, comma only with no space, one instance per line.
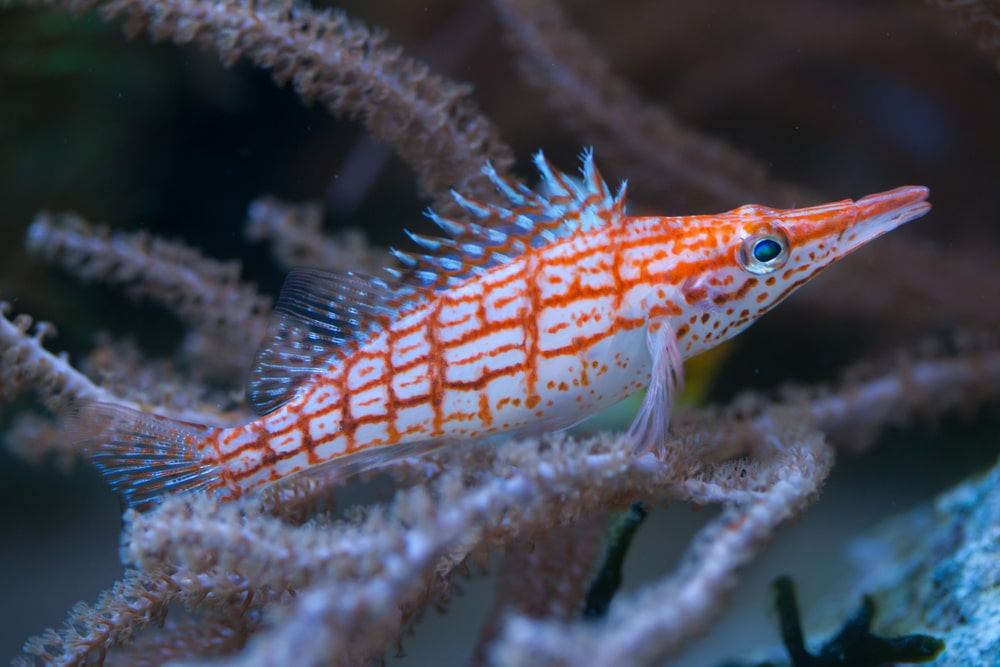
(28,365)
(913,389)
(226,318)
(530,485)
(137,601)
(645,629)
(181,636)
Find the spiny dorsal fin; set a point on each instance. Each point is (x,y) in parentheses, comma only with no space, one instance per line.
(497,233)
(318,316)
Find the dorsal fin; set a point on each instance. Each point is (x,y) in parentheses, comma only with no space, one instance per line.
(497,233)
(322,316)
(319,316)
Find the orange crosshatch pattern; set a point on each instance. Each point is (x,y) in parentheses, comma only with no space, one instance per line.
(528,318)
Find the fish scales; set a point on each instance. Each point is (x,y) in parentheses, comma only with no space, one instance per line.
(526,318)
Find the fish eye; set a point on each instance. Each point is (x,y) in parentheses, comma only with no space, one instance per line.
(763,253)
(766,250)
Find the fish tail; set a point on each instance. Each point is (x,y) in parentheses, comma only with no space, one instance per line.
(142,456)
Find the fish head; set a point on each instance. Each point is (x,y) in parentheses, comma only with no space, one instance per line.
(763,254)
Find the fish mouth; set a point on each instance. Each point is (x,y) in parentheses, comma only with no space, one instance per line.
(846,225)
(882,212)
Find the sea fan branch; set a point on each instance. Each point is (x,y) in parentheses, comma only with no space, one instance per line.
(645,629)
(225,318)
(28,365)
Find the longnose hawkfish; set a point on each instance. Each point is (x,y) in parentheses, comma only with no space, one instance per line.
(526,317)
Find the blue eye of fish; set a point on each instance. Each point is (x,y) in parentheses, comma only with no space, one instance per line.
(766,250)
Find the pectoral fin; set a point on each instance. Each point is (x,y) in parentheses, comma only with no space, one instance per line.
(649,429)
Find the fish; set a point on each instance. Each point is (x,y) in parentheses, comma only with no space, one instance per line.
(524,317)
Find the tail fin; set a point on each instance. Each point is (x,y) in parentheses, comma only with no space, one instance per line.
(142,456)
